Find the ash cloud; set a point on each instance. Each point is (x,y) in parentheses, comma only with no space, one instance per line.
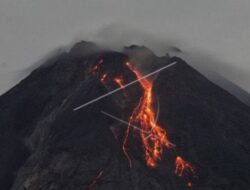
(29,29)
(117,36)
(227,76)
(124,38)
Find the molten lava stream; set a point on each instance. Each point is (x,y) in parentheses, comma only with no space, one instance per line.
(153,144)
(144,115)
(153,137)
(182,166)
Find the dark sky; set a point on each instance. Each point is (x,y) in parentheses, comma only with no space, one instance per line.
(30,29)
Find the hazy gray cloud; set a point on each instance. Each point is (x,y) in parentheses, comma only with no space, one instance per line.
(118,35)
(31,29)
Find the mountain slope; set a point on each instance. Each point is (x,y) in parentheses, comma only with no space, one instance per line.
(47,145)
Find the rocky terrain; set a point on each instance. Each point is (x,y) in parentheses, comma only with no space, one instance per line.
(45,145)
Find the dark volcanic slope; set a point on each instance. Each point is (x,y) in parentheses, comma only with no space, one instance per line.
(45,145)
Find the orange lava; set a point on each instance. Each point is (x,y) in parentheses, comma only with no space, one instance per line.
(153,144)
(182,166)
(144,115)
(119,81)
(154,138)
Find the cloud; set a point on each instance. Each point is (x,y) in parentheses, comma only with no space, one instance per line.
(118,35)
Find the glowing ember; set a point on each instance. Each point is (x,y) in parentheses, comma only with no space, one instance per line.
(104,77)
(119,81)
(97,66)
(94,181)
(189,184)
(182,166)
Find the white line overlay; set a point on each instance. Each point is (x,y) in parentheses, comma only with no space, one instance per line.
(125,122)
(125,86)
(133,126)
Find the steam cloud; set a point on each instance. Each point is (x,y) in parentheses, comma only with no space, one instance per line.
(117,36)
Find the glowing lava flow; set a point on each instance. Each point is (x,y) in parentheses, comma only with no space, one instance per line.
(153,137)
(145,116)
(155,143)
(182,166)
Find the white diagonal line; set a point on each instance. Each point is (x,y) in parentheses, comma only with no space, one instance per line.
(125,86)
(148,136)
(135,127)
(125,122)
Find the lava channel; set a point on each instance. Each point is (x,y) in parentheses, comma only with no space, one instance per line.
(154,138)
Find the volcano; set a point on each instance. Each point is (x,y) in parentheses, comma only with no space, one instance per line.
(171,130)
